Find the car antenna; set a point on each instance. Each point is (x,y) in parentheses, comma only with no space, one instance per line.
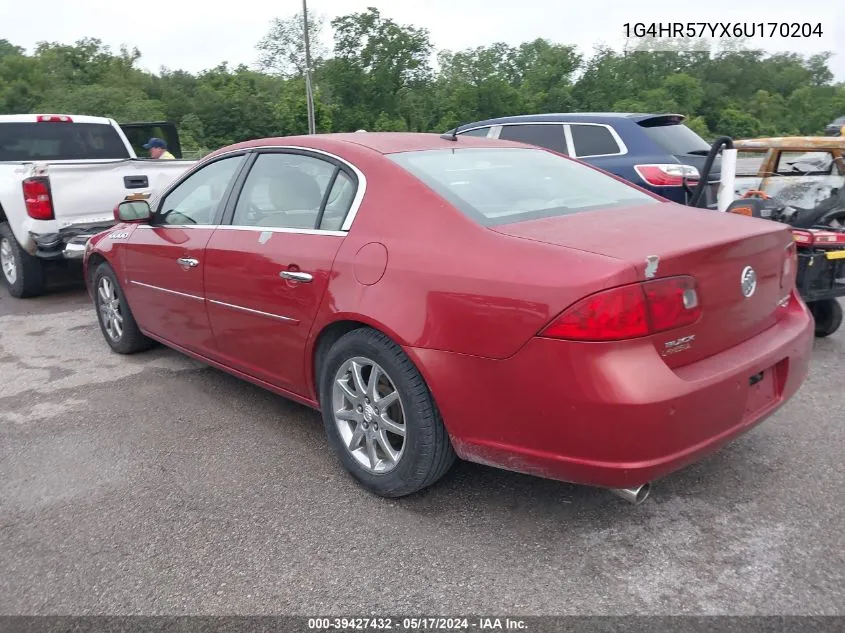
(453,136)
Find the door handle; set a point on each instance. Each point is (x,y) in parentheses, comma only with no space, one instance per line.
(296,276)
(136,182)
(188,262)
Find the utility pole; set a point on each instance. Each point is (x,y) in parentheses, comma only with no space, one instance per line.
(309,93)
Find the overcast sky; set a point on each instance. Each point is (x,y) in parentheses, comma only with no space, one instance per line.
(193,36)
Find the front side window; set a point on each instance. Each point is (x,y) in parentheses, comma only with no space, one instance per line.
(503,185)
(288,191)
(197,199)
(549,136)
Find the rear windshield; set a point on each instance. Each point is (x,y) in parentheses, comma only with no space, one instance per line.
(503,185)
(677,139)
(59,141)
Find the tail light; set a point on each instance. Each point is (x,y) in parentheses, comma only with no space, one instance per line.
(790,268)
(819,238)
(36,196)
(54,118)
(629,311)
(669,175)
(788,275)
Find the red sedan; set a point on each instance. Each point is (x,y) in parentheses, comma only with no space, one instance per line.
(483,299)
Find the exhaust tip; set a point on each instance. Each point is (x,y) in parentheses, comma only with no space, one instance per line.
(634,496)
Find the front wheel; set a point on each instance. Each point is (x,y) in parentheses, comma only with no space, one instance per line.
(113,313)
(828,316)
(380,417)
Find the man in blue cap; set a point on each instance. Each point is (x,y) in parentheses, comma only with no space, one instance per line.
(158,149)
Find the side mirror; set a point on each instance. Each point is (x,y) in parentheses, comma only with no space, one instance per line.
(134,211)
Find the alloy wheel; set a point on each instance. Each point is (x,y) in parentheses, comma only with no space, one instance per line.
(7,261)
(109,305)
(369,415)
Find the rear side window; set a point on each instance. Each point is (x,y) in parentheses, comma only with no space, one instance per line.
(548,136)
(59,141)
(294,191)
(803,163)
(503,185)
(677,139)
(593,140)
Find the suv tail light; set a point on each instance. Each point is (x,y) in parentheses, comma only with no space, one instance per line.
(668,175)
(37,198)
(629,311)
(54,118)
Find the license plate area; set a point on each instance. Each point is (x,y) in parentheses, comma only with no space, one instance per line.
(761,392)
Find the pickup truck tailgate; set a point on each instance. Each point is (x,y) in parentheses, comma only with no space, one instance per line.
(87,192)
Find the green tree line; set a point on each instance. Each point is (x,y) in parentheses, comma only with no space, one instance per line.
(382,75)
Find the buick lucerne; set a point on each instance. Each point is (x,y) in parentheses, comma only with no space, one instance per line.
(474,298)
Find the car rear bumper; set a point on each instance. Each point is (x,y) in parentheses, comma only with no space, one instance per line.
(612,415)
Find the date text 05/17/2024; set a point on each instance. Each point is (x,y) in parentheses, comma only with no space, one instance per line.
(723,29)
(417,624)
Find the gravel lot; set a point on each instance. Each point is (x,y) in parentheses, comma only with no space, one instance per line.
(156,485)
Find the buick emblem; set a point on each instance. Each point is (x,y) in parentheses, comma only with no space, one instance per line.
(748,281)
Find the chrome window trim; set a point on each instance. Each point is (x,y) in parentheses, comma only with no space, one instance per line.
(619,142)
(238,227)
(256,312)
(354,207)
(178,226)
(171,292)
(490,130)
(278,229)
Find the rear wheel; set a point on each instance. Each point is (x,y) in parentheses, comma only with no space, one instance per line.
(113,313)
(22,273)
(828,316)
(380,417)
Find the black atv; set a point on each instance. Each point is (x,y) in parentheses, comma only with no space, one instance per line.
(820,246)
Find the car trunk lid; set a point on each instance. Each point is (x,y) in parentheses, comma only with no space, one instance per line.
(715,248)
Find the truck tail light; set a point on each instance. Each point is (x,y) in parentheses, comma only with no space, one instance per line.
(668,175)
(629,311)
(37,198)
(54,118)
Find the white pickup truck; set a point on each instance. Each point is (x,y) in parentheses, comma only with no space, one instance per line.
(60,178)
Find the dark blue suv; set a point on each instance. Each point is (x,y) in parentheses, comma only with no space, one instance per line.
(654,151)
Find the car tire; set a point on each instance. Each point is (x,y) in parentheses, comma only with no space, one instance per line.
(398,464)
(22,273)
(113,314)
(827,315)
